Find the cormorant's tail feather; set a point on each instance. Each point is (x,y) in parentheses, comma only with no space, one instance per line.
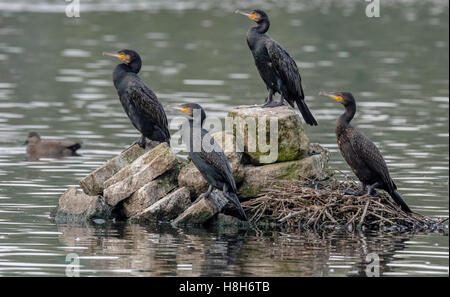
(307,115)
(399,200)
(235,200)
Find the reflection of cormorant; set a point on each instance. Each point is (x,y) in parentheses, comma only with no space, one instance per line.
(139,102)
(277,69)
(224,253)
(212,164)
(38,148)
(361,154)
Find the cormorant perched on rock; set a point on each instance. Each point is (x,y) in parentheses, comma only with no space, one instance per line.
(139,102)
(210,161)
(361,154)
(38,148)
(277,69)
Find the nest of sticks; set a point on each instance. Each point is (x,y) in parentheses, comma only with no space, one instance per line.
(323,205)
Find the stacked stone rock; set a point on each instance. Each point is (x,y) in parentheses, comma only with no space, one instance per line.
(152,185)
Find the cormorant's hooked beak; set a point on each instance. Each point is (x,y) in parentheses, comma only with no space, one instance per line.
(251,16)
(332,95)
(121,57)
(179,108)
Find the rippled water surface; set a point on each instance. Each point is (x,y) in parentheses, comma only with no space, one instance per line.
(53,79)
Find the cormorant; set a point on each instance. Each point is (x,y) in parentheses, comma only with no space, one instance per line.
(139,102)
(38,148)
(276,68)
(361,154)
(210,161)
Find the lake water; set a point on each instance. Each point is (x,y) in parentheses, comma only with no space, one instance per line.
(53,79)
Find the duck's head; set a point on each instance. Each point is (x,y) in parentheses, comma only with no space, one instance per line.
(32,138)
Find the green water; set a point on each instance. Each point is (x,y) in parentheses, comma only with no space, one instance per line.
(54,80)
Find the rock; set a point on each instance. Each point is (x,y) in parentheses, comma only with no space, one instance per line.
(200,212)
(288,141)
(314,167)
(93,183)
(151,192)
(192,179)
(138,164)
(223,220)
(75,205)
(316,149)
(318,168)
(257,178)
(166,208)
(131,178)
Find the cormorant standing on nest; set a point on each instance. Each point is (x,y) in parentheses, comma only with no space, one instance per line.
(139,102)
(361,154)
(277,69)
(210,161)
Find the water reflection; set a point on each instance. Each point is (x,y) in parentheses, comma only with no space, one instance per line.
(162,251)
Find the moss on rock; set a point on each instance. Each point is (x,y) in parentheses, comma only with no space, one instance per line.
(258,178)
(289,139)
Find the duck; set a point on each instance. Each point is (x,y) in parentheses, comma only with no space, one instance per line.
(38,148)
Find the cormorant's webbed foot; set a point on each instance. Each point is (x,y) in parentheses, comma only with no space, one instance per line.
(204,195)
(263,105)
(374,194)
(371,191)
(269,100)
(129,146)
(142,142)
(354,193)
(272,104)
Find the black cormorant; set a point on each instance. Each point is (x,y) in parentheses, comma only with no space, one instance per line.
(210,161)
(139,102)
(277,69)
(38,148)
(361,154)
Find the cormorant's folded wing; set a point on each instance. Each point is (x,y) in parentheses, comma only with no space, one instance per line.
(286,68)
(217,159)
(141,96)
(368,152)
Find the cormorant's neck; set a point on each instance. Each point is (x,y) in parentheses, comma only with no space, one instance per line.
(134,67)
(345,119)
(122,69)
(262,27)
(119,72)
(192,135)
(197,123)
